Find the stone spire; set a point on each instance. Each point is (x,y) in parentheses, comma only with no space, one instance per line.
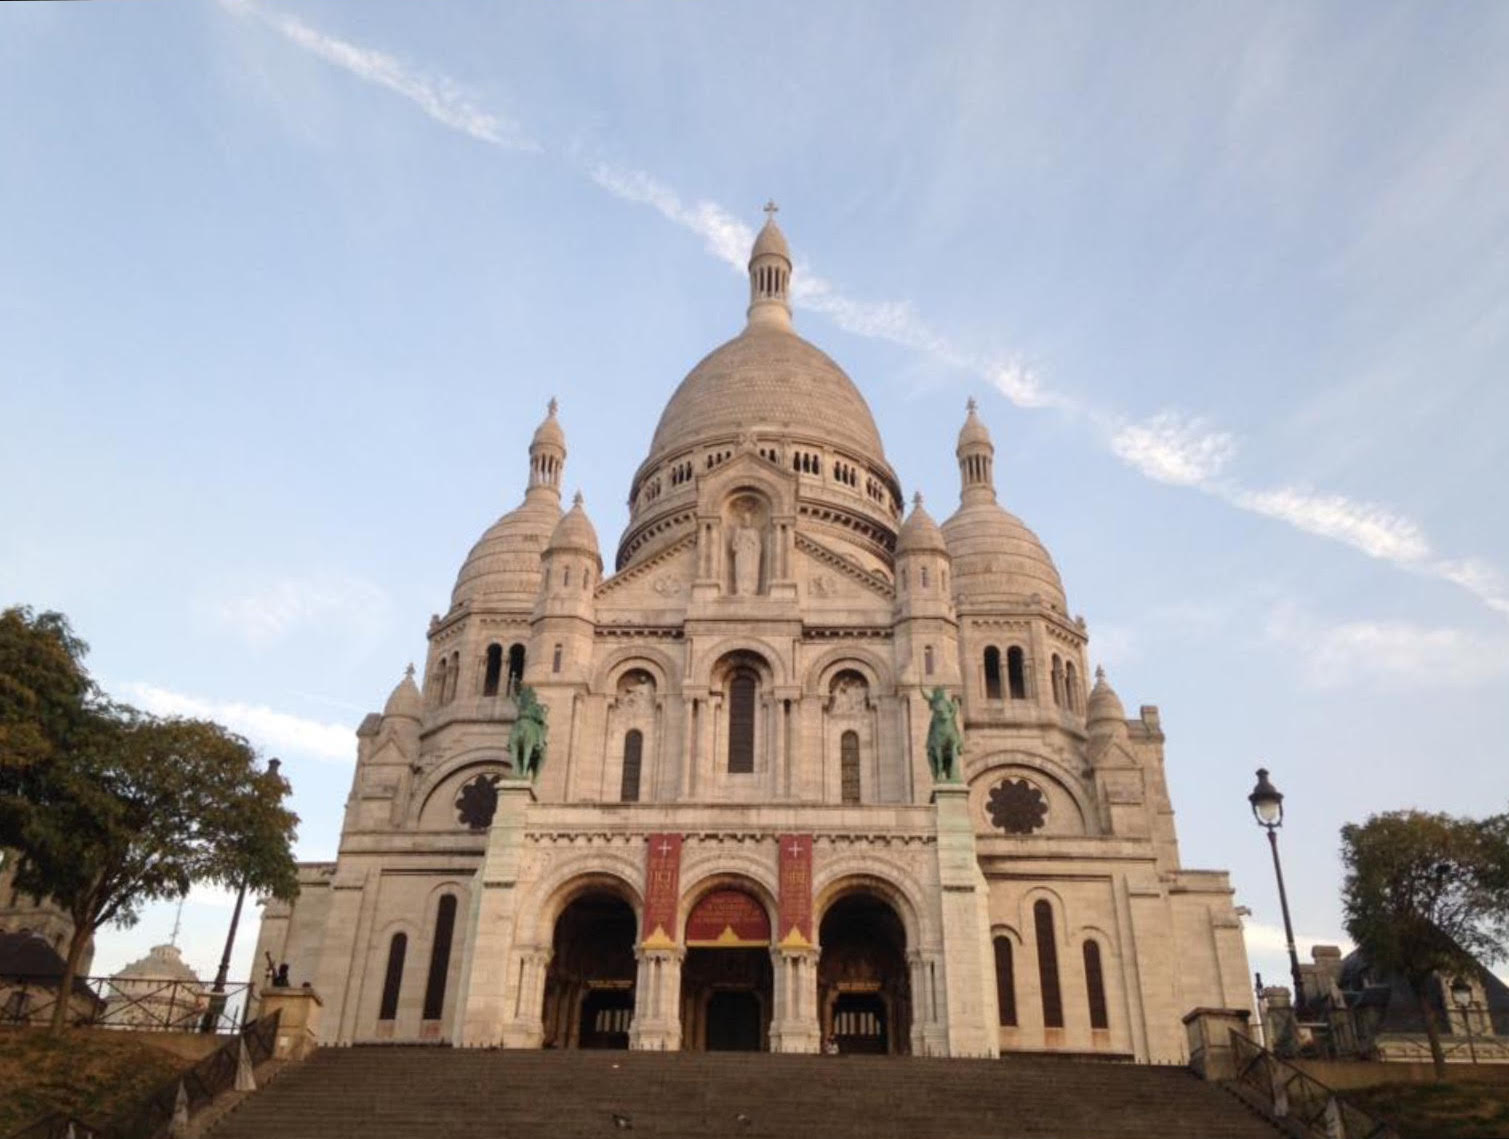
(976,455)
(770,276)
(547,456)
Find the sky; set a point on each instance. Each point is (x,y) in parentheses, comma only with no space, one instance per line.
(285,287)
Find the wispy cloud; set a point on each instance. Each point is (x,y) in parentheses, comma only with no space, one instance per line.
(268,613)
(1173,447)
(1264,940)
(1336,654)
(266,728)
(441,98)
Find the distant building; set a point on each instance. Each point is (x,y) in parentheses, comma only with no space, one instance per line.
(20,912)
(157,991)
(738,840)
(31,975)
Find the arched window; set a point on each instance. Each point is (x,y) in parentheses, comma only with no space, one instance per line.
(1005,984)
(1047,965)
(1095,986)
(1071,686)
(555,659)
(515,668)
(494,670)
(394,977)
(1058,679)
(565,577)
(922,573)
(927,660)
(848,763)
(440,958)
(1016,673)
(633,757)
(992,673)
(741,721)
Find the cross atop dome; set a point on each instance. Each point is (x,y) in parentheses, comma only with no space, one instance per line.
(770,275)
(771,209)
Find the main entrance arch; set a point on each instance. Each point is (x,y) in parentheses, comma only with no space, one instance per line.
(589,989)
(864,994)
(726,978)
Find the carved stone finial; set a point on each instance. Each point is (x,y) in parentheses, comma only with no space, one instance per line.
(577,499)
(917,500)
(409,672)
(770,209)
(969,404)
(552,407)
(1100,673)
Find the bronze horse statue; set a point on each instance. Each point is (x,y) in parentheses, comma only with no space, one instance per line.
(527,740)
(945,743)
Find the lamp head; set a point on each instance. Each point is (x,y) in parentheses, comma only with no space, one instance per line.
(1267,802)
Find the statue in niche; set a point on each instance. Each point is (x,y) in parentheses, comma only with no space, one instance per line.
(849,696)
(745,544)
(637,696)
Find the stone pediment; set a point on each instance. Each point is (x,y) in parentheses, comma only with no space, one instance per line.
(660,582)
(829,577)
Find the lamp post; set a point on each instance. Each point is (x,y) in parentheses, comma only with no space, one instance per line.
(1268,809)
(1461,996)
(216,1008)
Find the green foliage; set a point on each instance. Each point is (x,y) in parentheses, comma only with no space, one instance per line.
(1427,893)
(110,808)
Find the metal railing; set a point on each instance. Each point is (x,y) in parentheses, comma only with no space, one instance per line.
(141,1005)
(1298,1101)
(210,1077)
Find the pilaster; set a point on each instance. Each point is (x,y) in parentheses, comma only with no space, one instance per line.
(969,972)
(657,1001)
(490,968)
(794,1025)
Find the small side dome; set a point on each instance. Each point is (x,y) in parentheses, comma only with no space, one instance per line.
(1104,706)
(405,700)
(920,533)
(995,556)
(575,533)
(504,565)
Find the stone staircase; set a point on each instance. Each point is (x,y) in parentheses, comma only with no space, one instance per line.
(443,1093)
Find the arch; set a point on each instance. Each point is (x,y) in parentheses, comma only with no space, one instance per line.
(1071,686)
(1058,680)
(705,672)
(1016,672)
(992,673)
(980,772)
(1005,961)
(658,664)
(515,667)
(589,981)
(743,708)
(726,873)
(398,946)
(870,665)
(1095,984)
(425,790)
(492,669)
(864,981)
(857,874)
(593,871)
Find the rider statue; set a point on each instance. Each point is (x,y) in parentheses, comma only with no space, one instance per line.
(945,743)
(526,742)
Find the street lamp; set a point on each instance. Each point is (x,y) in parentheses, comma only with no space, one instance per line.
(216,1008)
(1461,996)
(1268,809)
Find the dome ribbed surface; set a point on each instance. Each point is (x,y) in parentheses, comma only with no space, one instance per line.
(767,377)
(996,556)
(504,565)
(919,532)
(162,963)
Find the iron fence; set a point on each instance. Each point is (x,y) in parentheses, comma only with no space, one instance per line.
(1299,1100)
(142,1005)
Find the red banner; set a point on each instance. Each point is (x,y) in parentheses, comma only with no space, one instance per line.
(728,918)
(796,891)
(662,888)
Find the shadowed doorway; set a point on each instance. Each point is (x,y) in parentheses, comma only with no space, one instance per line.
(589,989)
(863,988)
(726,979)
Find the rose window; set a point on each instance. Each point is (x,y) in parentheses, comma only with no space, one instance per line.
(1017,807)
(478,802)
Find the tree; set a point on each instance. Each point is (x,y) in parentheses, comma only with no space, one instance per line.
(1427,895)
(110,808)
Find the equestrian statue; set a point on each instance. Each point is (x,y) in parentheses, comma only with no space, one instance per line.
(945,743)
(527,740)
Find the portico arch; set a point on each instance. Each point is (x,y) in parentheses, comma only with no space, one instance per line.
(726,977)
(589,984)
(864,985)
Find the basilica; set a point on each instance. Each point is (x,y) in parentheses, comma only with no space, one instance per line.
(689,803)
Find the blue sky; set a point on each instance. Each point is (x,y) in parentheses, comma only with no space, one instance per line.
(284,288)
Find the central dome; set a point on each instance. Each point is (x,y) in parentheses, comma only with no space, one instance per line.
(770,377)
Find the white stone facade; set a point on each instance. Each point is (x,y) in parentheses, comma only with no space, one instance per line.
(756,673)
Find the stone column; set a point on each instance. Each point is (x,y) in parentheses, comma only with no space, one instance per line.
(344,953)
(968,971)
(794,1024)
(929,1032)
(490,970)
(525,1029)
(657,1001)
